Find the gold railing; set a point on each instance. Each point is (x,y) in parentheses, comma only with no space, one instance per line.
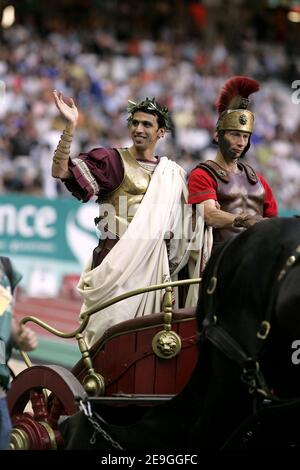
(85,317)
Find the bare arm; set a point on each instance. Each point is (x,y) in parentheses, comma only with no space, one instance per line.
(217,218)
(62,153)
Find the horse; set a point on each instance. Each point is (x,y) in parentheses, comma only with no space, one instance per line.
(244,391)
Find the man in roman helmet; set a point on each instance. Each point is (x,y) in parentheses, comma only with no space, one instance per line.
(233,196)
(139,196)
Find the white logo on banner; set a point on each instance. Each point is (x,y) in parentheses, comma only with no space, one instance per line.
(80,232)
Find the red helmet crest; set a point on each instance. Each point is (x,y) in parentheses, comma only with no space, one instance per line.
(234,94)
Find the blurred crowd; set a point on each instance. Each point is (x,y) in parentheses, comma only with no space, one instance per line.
(101,72)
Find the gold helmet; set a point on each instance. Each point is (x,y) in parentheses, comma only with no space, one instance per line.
(232,105)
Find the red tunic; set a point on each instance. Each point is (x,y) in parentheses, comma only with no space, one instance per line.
(104,167)
(96,173)
(202,186)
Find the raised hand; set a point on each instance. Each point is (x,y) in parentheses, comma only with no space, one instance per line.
(68,111)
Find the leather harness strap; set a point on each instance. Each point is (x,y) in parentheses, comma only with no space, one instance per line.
(215,170)
(252,375)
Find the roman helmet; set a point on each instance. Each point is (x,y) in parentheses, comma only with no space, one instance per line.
(232,105)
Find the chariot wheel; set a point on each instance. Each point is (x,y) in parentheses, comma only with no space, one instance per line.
(51,392)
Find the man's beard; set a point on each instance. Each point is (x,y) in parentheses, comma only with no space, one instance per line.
(228,154)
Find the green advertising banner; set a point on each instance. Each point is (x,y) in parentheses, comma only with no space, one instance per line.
(47,239)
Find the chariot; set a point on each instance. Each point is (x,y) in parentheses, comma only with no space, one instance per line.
(140,362)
